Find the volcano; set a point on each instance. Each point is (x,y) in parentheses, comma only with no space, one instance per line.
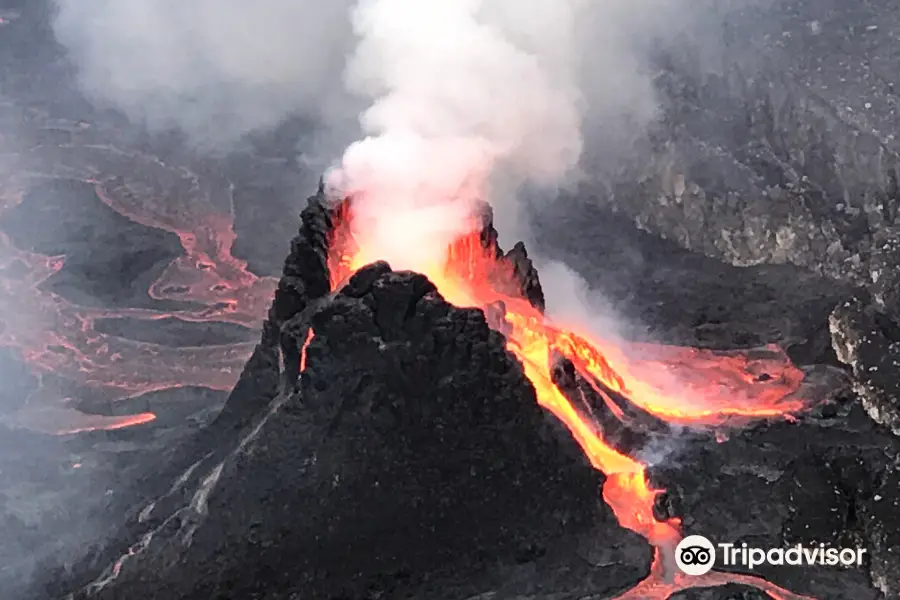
(435,435)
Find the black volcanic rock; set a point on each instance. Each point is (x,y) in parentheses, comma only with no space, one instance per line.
(775,485)
(880,516)
(414,446)
(305,273)
(410,460)
(526,282)
(884,274)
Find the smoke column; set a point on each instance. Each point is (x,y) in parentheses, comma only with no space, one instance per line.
(451,100)
(474,99)
(460,91)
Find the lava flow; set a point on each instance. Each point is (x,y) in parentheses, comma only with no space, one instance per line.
(683,386)
(83,370)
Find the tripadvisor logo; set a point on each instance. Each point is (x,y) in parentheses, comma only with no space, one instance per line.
(697,555)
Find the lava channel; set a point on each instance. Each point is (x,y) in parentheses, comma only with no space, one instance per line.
(658,383)
(83,371)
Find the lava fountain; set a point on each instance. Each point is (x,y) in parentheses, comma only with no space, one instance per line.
(715,390)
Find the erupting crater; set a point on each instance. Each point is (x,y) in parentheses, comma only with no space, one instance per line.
(609,393)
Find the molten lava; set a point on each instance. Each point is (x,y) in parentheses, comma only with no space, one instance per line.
(79,365)
(685,386)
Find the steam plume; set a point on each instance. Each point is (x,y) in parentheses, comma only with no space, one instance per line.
(215,69)
(459,90)
(218,69)
(456,100)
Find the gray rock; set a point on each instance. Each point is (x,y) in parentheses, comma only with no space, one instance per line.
(868,341)
(784,153)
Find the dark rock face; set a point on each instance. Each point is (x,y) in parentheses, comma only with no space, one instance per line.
(880,516)
(885,280)
(525,282)
(782,153)
(305,274)
(777,485)
(869,342)
(446,430)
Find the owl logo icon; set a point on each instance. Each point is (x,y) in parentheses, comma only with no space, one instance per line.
(695,555)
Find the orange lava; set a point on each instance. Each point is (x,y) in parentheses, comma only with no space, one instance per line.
(660,585)
(81,365)
(309,337)
(680,385)
(100,422)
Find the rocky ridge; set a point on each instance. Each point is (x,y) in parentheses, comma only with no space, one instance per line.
(784,153)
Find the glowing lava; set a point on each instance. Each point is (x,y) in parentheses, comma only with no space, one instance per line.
(79,366)
(680,385)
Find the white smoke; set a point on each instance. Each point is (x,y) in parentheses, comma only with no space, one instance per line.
(471,99)
(458,92)
(215,69)
(455,99)
(218,69)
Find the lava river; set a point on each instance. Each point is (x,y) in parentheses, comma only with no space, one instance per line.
(683,386)
(82,370)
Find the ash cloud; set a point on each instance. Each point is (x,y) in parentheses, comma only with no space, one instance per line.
(475,99)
